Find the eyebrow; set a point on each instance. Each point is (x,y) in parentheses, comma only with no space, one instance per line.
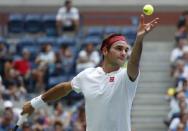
(122,46)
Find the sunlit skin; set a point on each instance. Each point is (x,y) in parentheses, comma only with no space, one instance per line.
(115,57)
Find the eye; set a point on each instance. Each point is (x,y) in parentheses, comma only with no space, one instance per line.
(127,49)
(119,48)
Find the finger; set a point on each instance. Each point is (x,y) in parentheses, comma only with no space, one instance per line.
(149,28)
(142,19)
(154,21)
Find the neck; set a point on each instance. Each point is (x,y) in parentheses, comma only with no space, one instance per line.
(107,67)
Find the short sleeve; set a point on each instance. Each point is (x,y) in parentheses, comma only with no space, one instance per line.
(131,85)
(59,15)
(75,14)
(174,123)
(76,82)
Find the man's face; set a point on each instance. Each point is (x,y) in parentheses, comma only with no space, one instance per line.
(117,53)
(68,5)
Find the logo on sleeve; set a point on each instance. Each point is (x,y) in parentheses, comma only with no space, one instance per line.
(111,79)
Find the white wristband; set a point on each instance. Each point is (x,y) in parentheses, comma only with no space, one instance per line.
(37,102)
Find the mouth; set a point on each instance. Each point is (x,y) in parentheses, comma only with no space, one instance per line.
(121,58)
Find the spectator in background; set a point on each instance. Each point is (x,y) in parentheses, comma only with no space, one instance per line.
(58,126)
(182,119)
(62,115)
(177,52)
(88,57)
(41,120)
(174,104)
(182,25)
(185,88)
(79,124)
(67,59)
(185,15)
(46,56)
(23,67)
(7,123)
(26,126)
(45,62)
(9,105)
(2,88)
(185,55)
(8,66)
(181,127)
(178,70)
(3,49)
(67,18)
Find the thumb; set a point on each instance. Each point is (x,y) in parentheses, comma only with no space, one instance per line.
(142,19)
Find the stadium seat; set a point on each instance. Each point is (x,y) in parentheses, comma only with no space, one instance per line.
(33,23)
(51,40)
(95,31)
(130,34)
(49,25)
(134,20)
(29,44)
(2,40)
(71,41)
(92,39)
(53,80)
(111,29)
(16,23)
(46,39)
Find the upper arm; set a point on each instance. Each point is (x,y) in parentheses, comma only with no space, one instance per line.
(67,87)
(132,71)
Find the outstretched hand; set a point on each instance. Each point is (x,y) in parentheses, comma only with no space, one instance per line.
(145,28)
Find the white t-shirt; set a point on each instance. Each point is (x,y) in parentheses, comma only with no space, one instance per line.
(108,98)
(48,57)
(175,54)
(67,17)
(174,124)
(91,60)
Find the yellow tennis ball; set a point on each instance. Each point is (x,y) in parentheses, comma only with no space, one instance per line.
(148,9)
(171,91)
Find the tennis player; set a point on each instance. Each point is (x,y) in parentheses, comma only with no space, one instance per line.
(108,90)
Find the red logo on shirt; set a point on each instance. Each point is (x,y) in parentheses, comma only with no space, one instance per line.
(111,79)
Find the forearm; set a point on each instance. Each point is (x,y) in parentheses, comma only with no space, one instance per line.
(57,92)
(134,60)
(53,94)
(136,51)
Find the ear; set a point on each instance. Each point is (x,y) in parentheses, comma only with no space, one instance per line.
(104,51)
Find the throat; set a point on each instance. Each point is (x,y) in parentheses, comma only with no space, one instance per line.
(109,68)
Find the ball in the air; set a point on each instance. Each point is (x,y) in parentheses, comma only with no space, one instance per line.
(148,9)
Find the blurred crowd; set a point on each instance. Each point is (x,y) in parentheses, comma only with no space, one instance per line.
(177,95)
(26,71)
(24,75)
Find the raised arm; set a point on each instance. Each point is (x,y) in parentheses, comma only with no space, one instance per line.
(53,94)
(143,29)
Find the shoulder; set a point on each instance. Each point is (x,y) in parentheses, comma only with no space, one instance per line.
(74,9)
(88,70)
(86,73)
(61,9)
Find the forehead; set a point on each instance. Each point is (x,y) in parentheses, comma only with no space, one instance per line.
(121,43)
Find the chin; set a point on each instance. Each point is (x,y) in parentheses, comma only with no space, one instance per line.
(120,62)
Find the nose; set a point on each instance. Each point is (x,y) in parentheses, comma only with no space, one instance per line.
(123,53)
